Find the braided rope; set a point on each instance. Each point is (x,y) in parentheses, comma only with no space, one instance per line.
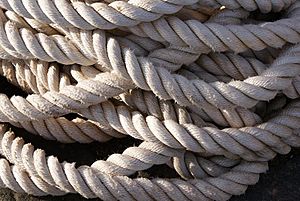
(202,85)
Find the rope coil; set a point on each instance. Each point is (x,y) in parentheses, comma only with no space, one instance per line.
(208,88)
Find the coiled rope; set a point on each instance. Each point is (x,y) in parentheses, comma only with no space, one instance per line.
(211,90)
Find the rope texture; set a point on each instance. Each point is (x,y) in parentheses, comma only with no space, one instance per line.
(209,87)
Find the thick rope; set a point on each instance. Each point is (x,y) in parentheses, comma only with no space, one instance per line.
(251,5)
(40,78)
(95,15)
(204,86)
(208,37)
(117,13)
(97,184)
(196,92)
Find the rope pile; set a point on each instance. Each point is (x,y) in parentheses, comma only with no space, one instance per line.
(210,87)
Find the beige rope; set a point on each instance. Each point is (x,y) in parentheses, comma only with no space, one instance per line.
(89,186)
(95,15)
(203,84)
(214,37)
(49,78)
(118,13)
(251,5)
(195,92)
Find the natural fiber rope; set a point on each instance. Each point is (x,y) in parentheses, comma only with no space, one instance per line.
(204,85)
(266,86)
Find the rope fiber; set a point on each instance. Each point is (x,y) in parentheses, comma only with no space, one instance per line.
(210,88)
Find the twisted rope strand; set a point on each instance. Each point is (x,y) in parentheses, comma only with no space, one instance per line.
(62,129)
(251,5)
(164,94)
(244,174)
(207,37)
(77,136)
(24,44)
(227,16)
(96,15)
(118,13)
(232,65)
(65,52)
(147,103)
(160,81)
(203,87)
(242,142)
(139,158)
(119,187)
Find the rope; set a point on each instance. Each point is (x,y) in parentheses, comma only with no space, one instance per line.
(204,86)
(196,92)
(99,185)
(263,6)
